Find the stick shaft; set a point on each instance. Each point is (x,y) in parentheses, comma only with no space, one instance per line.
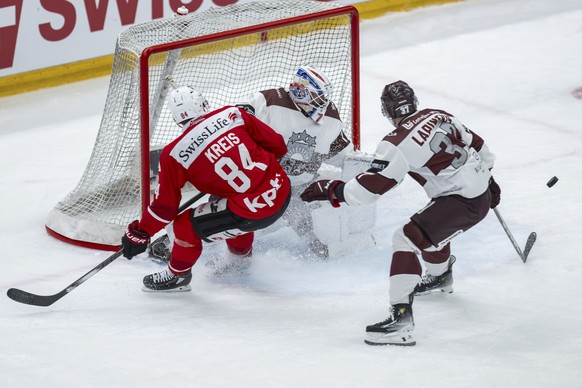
(47,300)
(508,232)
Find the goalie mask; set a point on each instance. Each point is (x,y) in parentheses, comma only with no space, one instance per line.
(187,104)
(310,90)
(398,100)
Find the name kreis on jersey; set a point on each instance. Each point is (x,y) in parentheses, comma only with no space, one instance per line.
(198,138)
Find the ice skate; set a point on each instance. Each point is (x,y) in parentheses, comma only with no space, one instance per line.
(431,284)
(166,281)
(396,330)
(160,249)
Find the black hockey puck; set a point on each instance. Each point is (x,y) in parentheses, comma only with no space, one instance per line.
(552,181)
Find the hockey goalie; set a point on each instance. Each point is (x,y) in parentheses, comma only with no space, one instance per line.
(309,122)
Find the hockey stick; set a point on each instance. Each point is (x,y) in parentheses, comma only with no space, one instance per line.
(531,239)
(46,300)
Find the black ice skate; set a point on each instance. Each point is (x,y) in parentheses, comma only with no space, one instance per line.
(430,284)
(166,281)
(396,330)
(160,249)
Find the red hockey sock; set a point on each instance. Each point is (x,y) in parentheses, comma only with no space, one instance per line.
(241,245)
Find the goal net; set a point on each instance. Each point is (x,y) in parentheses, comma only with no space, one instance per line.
(224,52)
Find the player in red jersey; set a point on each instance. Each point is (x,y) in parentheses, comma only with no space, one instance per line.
(227,153)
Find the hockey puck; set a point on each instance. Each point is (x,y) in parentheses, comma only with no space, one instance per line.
(552,181)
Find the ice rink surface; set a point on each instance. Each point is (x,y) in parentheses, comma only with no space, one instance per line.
(507,69)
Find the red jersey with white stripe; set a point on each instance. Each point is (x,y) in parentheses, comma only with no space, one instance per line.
(228,153)
(435,149)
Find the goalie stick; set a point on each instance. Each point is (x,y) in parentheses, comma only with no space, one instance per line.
(531,239)
(46,300)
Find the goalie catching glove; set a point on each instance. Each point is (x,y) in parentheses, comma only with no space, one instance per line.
(324,190)
(134,241)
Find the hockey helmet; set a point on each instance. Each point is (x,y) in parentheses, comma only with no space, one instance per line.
(311,90)
(187,104)
(398,100)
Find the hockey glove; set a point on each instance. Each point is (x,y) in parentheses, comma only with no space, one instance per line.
(135,241)
(495,192)
(322,190)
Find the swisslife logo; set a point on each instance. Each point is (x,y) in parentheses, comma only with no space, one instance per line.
(39,24)
(10,12)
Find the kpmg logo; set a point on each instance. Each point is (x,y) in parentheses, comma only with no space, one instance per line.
(10,11)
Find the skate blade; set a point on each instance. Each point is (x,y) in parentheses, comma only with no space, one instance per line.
(177,289)
(448,290)
(394,339)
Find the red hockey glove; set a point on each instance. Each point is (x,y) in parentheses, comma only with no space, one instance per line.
(322,190)
(134,241)
(495,192)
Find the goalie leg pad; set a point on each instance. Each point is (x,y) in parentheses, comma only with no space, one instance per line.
(346,229)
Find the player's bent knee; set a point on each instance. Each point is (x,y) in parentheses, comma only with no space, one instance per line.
(184,232)
(410,238)
(400,243)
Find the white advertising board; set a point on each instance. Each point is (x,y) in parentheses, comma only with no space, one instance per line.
(36,34)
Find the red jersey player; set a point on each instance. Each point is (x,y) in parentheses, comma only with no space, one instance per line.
(227,153)
(453,166)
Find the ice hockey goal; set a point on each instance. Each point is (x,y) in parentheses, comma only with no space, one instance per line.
(226,53)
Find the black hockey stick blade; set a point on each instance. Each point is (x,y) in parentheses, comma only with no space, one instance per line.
(46,300)
(33,299)
(531,239)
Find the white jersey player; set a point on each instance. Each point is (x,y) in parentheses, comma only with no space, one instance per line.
(453,166)
(311,126)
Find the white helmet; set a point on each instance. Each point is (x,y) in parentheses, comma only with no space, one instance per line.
(186,104)
(310,90)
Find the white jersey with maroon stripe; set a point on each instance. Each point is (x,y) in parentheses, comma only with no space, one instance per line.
(308,143)
(434,148)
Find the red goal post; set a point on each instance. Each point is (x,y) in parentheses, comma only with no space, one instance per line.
(226,53)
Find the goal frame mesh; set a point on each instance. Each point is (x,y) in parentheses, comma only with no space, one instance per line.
(61,225)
